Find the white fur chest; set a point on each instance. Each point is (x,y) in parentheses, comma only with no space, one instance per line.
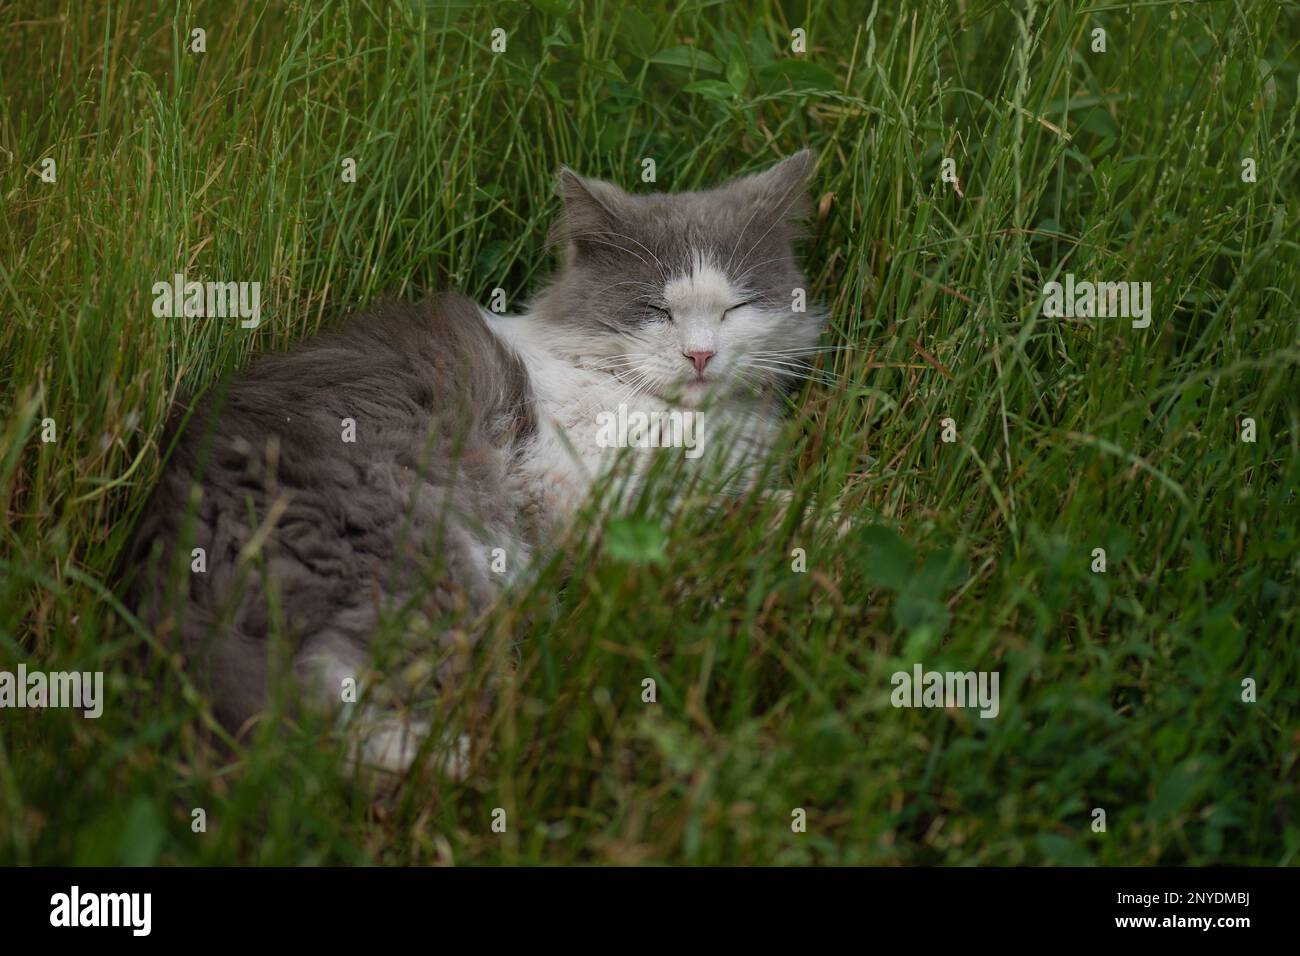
(575,410)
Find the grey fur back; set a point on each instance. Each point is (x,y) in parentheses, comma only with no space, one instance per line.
(440,407)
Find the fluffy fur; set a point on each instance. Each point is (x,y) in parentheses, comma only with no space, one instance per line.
(472,432)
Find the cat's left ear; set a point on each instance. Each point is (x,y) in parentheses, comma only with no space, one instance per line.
(782,190)
(590,208)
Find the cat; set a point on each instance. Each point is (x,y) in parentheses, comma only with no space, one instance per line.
(470,432)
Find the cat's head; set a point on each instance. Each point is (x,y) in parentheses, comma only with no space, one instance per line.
(688,294)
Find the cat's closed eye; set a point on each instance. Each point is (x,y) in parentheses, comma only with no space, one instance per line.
(738,305)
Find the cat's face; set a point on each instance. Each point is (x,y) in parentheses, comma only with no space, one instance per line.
(687,295)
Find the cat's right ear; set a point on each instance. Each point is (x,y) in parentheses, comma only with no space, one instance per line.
(589,208)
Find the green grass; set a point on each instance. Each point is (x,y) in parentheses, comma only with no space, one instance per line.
(1119,690)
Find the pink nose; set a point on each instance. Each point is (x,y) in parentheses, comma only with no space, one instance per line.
(700,359)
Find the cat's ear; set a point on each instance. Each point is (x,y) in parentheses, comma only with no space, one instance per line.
(782,190)
(589,207)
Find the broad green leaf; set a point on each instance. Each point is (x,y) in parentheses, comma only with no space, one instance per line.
(556,8)
(886,558)
(636,541)
(798,75)
(688,57)
(636,33)
(738,73)
(713,89)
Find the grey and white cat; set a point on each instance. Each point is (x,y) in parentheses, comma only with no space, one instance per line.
(473,432)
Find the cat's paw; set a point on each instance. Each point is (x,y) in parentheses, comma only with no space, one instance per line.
(453,762)
(391,748)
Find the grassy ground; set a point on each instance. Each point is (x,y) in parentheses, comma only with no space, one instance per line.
(1120,691)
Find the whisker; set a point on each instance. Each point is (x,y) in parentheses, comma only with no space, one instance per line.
(784,206)
(744,275)
(663,269)
(802,372)
(817,350)
(592,237)
(587,237)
